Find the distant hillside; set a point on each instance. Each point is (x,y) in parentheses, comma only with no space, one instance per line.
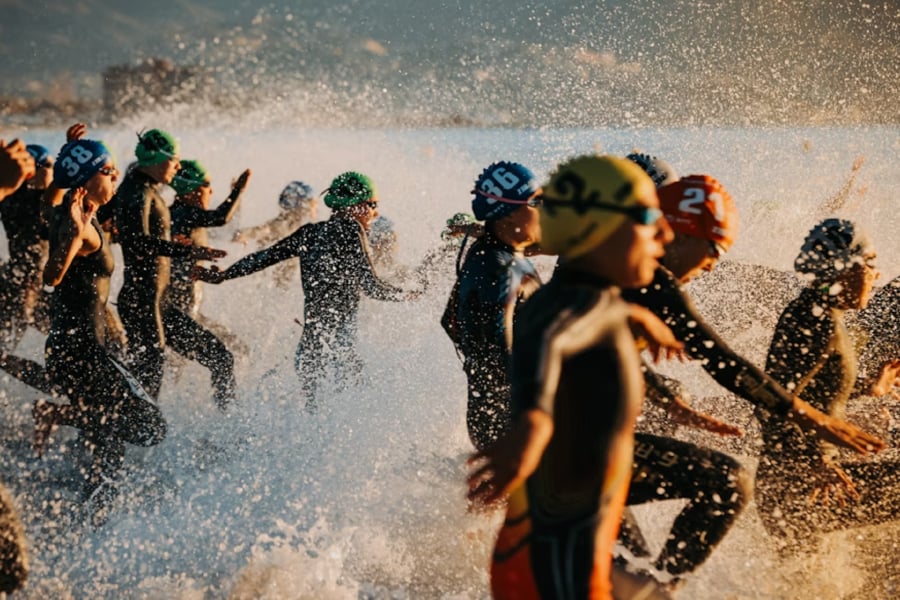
(527,62)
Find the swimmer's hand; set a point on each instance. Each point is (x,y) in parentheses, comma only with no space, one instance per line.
(204,253)
(76,132)
(832,484)
(16,165)
(237,187)
(684,414)
(660,340)
(833,430)
(208,275)
(505,465)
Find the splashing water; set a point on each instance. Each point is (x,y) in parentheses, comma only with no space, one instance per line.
(365,497)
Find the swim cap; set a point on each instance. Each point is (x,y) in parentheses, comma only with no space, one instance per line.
(659,170)
(502,188)
(294,195)
(699,206)
(460,219)
(39,153)
(190,176)
(78,161)
(155,146)
(573,221)
(349,189)
(381,233)
(830,247)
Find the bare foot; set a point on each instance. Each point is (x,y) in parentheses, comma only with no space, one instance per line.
(44,424)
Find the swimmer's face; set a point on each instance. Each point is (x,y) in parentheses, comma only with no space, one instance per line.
(688,256)
(199,197)
(630,255)
(102,186)
(526,222)
(857,283)
(43,175)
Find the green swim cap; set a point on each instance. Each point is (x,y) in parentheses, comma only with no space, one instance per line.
(460,219)
(155,146)
(349,189)
(191,176)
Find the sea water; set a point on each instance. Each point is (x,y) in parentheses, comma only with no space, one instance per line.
(365,498)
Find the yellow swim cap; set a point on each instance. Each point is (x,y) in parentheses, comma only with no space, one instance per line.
(573,219)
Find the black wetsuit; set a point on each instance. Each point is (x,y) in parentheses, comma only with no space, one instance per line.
(813,355)
(22,299)
(335,269)
(105,400)
(573,357)
(716,485)
(492,284)
(880,327)
(143,223)
(184,333)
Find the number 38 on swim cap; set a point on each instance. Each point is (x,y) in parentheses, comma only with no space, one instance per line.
(78,161)
(584,200)
(699,206)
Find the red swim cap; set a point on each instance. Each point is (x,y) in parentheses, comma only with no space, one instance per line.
(698,205)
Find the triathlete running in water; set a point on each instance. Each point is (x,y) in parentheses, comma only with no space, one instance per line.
(181,304)
(23,300)
(803,488)
(106,402)
(494,280)
(143,222)
(577,387)
(335,270)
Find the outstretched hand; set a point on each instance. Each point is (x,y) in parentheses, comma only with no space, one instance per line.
(204,253)
(76,132)
(240,183)
(211,274)
(504,466)
(16,165)
(832,484)
(833,430)
(684,414)
(660,340)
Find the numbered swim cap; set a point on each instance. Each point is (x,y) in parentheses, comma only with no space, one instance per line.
(584,200)
(294,195)
(502,188)
(830,247)
(78,161)
(659,170)
(155,146)
(699,206)
(40,154)
(349,189)
(190,177)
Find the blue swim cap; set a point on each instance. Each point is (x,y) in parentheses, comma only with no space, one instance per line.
(39,153)
(502,188)
(78,161)
(294,195)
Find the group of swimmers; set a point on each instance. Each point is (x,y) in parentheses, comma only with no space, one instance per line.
(555,374)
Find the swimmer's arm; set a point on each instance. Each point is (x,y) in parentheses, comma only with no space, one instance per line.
(671,396)
(16,165)
(225,211)
(289,247)
(372,284)
(70,236)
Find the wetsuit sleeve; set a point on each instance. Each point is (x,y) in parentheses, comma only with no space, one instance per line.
(224,212)
(730,370)
(290,247)
(373,285)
